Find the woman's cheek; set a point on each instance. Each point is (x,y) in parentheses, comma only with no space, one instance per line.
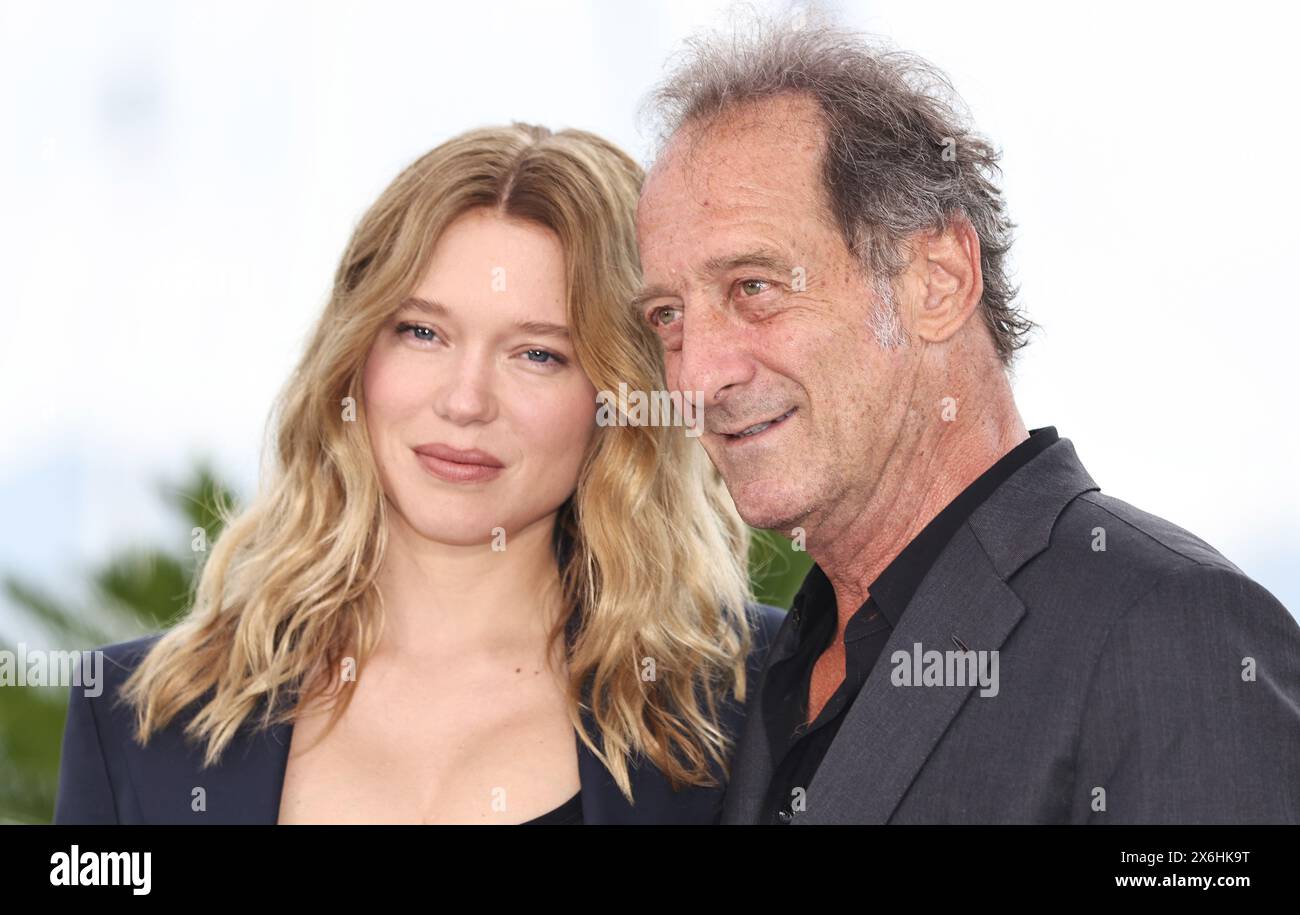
(563,430)
(392,389)
(383,391)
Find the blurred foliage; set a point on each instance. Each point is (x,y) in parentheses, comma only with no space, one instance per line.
(144,590)
(135,592)
(776,568)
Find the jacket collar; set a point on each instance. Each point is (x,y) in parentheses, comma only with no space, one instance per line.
(257,770)
(246,785)
(890,731)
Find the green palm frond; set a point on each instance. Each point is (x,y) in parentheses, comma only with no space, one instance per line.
(135,592)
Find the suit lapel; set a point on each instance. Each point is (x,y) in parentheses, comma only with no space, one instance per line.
(243,788)
(246,787)
(250,780)
(890,730)
(656,802)
(263,774)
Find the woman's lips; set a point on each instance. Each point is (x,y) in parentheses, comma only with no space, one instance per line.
(458,466)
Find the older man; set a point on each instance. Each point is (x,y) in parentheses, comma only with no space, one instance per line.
(985,636)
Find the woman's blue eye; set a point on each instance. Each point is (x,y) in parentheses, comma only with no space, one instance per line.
(547,357)
(429,335)
(423,334)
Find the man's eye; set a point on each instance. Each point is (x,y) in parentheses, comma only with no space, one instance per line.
(662,316)
(750,286)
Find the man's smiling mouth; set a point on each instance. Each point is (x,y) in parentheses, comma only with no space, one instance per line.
(757,428)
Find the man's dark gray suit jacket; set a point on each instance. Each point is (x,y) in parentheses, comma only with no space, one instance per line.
(1149,681)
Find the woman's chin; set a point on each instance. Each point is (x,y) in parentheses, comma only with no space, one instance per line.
(450,525)
(458,534)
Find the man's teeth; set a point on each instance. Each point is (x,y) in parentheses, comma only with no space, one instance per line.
(755,429)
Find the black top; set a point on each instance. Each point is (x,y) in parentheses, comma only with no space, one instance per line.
(567,814)
(797,747)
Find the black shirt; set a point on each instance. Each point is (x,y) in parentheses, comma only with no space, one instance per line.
(567,814)
(797,747)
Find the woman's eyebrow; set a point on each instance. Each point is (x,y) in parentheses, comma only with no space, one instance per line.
(436,309)
(543,328)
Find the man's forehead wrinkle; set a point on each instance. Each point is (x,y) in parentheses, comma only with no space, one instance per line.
(698,169)
(675,173)
(721,183)
(710,179)
(765,190)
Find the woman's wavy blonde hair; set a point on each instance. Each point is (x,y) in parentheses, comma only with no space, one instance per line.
(654,558)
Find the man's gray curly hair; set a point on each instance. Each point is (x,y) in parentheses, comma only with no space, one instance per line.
(900,155)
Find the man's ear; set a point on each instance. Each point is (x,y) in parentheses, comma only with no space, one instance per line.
(948,282)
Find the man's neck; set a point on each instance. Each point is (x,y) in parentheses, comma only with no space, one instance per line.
(922,477)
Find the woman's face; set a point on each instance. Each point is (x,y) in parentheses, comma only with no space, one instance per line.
(477,411)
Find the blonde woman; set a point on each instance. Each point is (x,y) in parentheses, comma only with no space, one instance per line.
(458,598)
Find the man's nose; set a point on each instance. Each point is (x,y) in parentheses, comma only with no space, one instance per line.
(713,358)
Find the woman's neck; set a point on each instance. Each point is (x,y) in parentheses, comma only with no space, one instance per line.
(440,597)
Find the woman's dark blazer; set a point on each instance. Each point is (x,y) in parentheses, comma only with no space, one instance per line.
(106,777)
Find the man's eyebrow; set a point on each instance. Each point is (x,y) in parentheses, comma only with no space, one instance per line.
(648,293)
(438,310)
(763,258)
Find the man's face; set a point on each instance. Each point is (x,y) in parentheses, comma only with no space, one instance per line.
(761,306)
